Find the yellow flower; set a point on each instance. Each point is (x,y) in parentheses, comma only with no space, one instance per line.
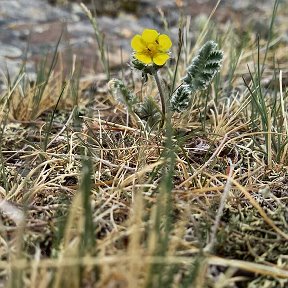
(151,47)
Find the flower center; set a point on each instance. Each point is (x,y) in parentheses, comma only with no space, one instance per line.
(152,49)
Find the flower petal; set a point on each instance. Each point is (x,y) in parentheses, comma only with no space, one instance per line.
(149,35)
(164,42)
(160,58)
(137,43)
(144,58)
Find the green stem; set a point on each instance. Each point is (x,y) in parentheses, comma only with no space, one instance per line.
(162,98)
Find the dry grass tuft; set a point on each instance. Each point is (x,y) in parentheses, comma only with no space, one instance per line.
(91,199)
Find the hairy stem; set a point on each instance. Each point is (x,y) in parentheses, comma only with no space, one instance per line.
(162,98)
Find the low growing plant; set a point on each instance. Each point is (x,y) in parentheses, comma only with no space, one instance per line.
(151,53)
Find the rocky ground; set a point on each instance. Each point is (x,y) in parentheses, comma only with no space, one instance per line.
(29,29)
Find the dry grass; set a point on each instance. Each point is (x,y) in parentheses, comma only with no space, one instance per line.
(93,200)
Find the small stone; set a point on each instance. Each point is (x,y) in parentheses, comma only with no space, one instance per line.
(83,28)
(10,51)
